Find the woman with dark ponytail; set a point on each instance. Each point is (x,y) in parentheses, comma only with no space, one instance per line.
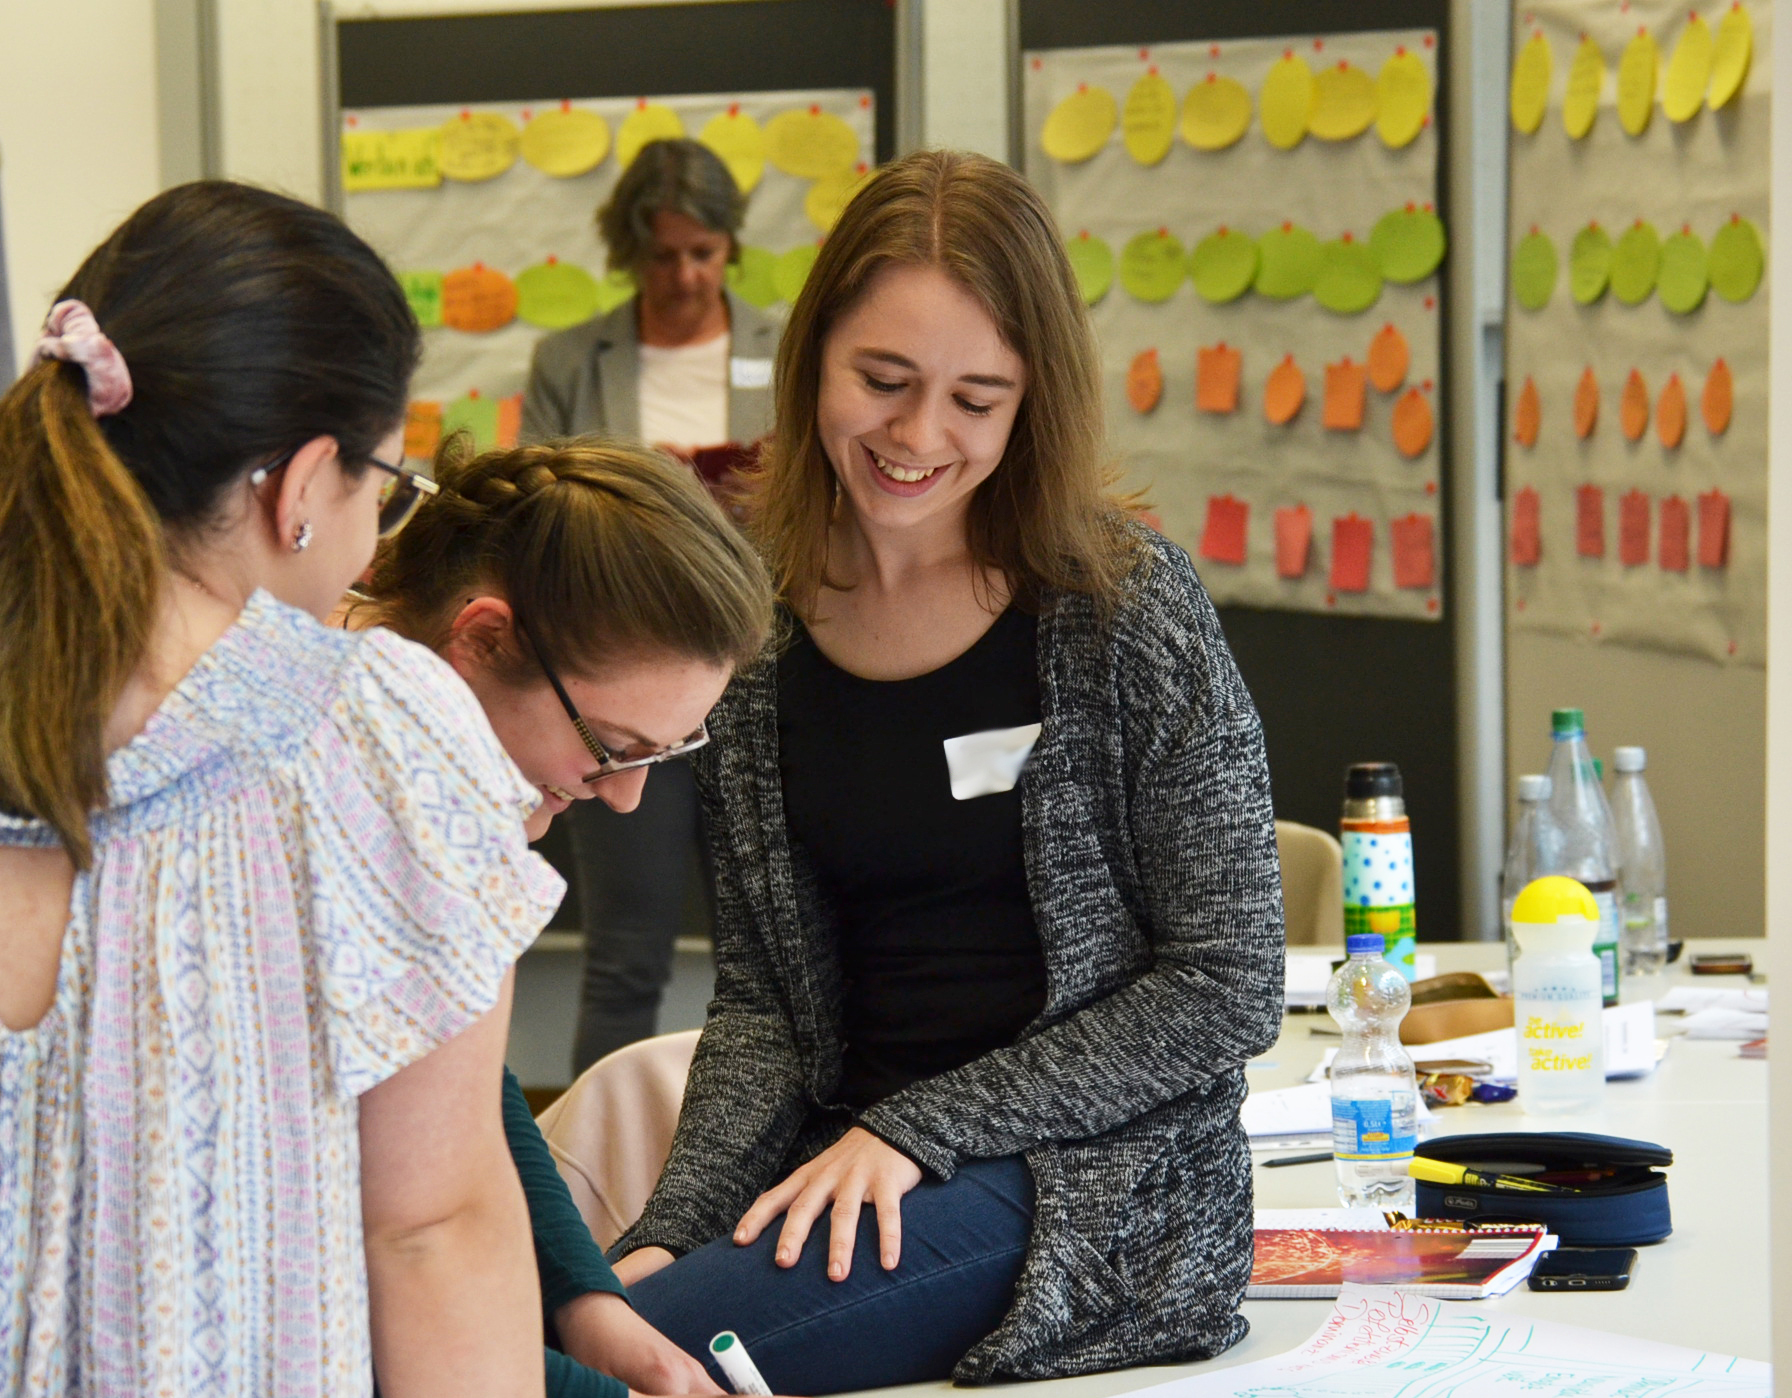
(261,881)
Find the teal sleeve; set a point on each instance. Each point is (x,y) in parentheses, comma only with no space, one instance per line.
(567,1378)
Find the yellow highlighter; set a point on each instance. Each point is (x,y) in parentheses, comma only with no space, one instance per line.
(1441,1172)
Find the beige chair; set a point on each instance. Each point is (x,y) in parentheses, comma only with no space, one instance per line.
(1312,884)
(611,1131)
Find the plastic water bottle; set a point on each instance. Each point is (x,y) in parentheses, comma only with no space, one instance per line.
(1375,1100)
(1531,852)
(1586,849)
(1377,840)
(1643,868)
(1556,994)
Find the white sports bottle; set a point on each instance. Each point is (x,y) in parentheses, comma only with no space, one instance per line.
(1556,989)
(1375,1100)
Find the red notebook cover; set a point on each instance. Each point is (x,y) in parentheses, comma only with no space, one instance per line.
(1315,1262)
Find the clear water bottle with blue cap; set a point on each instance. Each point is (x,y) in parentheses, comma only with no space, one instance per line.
(1375,1098)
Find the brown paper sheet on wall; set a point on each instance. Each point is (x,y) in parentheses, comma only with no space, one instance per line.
(1676,529)
(1224,540)
(1353,546)
(1589,521)
(1218,369)
(1346,387)
(1714,529)
(1415,563)
(1527,528)
(1294,541)
(1633,529)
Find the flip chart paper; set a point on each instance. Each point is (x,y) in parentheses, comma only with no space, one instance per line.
(1283,392)
(1636,263)
(391,159)
(1345,102)
(812,144)
(1670,413)
(478,299)
(478,146)
(828,197)
(1531,73)
(1527,414)
(1586,80)
(566,142)
(1412,423)
(1676,522)
(1152,265)
(476,415)
(1353,542)
(1527,529)
(423,290)
(1346,386)
(1389,357)
(1403,99)
(1080,125)
(1636,82)
(1286,101)
(1633,529)
(1287,262)
(1736,259)
(1714,529)
(1223,540)
(739,142)
(1217,372)
(1144,381)
(422,430)
(1718,400)
(1148,121)
(1092,260)
(1590,264)
(753,277)
(1216,113)
(1534,270)
(1408,244)
(554,295)
(1730,54)
(1294,541)
(1349,280)
(791,270)
(1589,521)
(1223,265)
(1633,406)
(1415,562)
(1586,404)
(1689,70)
(1684,274)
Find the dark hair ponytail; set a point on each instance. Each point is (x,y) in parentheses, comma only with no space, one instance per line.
(250,323)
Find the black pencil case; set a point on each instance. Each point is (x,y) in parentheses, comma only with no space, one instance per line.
(1626,1209)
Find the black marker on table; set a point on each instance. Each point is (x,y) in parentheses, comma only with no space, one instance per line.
(1313,1159)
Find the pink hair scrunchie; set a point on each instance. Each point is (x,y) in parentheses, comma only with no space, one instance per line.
(72,335)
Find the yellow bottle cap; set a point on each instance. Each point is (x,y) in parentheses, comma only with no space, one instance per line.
(1435,1171)
(1550,899)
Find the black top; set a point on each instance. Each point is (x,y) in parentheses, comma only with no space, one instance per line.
(937,942)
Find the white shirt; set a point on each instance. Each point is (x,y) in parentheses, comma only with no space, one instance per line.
(684,394)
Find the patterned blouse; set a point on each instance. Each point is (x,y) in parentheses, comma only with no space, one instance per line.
(311,873)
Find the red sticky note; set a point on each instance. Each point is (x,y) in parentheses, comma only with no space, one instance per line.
(1714,529)
(1633,529)
(1589,522)
(1294,540)
(1216,378)
(510,420)
(1676,527)
(1223,539)
(1346,386)
(1353,539)
(1527,529)
(1415,562)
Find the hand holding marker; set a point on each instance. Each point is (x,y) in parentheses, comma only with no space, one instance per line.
(737,1364)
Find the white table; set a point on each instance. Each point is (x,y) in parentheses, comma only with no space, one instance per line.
(1704,1287)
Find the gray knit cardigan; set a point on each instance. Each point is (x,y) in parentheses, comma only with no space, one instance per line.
(1151,861)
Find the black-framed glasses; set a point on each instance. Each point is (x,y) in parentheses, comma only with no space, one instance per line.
(608,765)
(400,494)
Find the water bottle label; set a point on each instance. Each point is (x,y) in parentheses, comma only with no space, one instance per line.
(1605,943)
(1382,1128)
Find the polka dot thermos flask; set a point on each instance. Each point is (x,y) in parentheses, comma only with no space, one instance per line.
(1377,840)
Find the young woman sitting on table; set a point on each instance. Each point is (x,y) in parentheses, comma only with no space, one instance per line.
(999,909)
(596,602)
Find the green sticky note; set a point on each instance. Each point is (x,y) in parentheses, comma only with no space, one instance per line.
(1683,278)
(554,295)
(1534,271)
(1223,265)
(424,291)
(1408,244)
(1287,262)
(1152,266)
(613,288)
(1736,260)
(753,277)
(1636,262)
(1590,264)
(792,269)
(1092,260)
(1349,280)
(476,415)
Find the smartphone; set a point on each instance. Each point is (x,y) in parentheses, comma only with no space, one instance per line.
(1583,1269)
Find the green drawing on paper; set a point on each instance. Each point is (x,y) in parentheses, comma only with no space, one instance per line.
(1636,262)
(554,295)
(1684,275)
(1736,260)
(1408,244)
(753,277)
(792,270)
(1534,271)
(1152,266)
(1287,262)
(424,291)
(1093,262)
(1223,265)
(1590,264)
(1349,280)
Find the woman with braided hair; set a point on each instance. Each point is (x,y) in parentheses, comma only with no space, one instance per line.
(596,602)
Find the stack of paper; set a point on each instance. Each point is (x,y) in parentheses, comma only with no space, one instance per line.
(1718,1014)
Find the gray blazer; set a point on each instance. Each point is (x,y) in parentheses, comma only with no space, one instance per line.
(1151,861)
(584,380)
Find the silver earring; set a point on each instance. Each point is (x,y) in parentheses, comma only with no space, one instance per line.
(302,540)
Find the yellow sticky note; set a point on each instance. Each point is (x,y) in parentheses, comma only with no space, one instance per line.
(1403,93)
(1080,125)
(828,197)
(566,142)
(1689,70)
(739,142)
(1344,102)
(409,159)
(1148,121)
(1730,56)
(1531,72)
(1636,82)
(1286,101)
(478,146)
(1586,79)
(810,143)
(649,121)
(1216,112)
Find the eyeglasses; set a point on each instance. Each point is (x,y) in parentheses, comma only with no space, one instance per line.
(608,765)
(400,494)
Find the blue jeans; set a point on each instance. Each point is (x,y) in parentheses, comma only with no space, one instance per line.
(963,1242)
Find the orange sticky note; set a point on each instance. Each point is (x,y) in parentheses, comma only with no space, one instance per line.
(1586,404)
(1389,358)
(1676,527)
(1714,529)
(1413,423)
(1346,386)
(1527,529)
(510,420)
(1144,381)
(1415,563)
(1217,369)
(422,429)
(1633,529)
(1670,413)
(1633,407)
(1720,396)
(1353,540)
(478,299)
(1223,538)
(1589,521)
(1527,414)
(1294,541)
(1284,391)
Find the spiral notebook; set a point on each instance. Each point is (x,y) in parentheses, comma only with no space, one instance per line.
(1312,1253)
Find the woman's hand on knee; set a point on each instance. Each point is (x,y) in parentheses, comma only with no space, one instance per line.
(856,1169)
(602,1332)
(642,1262)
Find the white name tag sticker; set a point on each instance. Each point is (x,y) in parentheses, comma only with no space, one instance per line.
(983,764)
(749,373)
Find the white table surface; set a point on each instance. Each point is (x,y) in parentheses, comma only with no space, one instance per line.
(1705,1286)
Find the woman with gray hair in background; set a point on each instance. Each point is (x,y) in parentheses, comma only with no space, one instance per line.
(685,366)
